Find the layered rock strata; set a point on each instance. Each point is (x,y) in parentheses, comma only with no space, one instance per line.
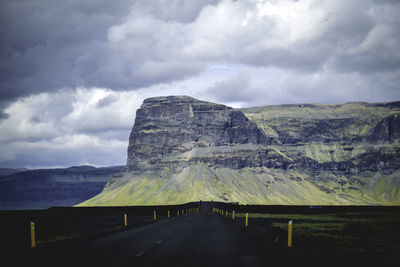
(182,149)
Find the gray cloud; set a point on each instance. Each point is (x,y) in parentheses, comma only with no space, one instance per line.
(47,46)
(42,41)
(79,69)
(128,45)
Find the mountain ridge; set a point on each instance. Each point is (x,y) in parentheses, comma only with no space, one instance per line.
(44,188)
(182,149)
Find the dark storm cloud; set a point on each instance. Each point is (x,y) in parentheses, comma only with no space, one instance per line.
(123,45)
(49,45)
(42,42)
(73,73)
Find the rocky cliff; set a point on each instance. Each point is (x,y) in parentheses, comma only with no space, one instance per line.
(182,149)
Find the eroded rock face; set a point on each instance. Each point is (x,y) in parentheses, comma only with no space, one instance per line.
(182,149)
(387,130)
(348,139)
(177,131)
(168,127)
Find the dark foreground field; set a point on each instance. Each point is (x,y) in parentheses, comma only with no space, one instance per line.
(96,236)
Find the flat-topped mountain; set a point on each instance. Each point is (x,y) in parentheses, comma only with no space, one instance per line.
(177,130)
(182,149)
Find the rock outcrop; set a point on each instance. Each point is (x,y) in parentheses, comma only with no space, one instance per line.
(178,130)
(182,149)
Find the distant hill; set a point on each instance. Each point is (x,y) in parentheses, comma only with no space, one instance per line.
(43,188)
(182,149)
(8,171)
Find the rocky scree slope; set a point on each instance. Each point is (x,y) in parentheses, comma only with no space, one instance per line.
(182,149)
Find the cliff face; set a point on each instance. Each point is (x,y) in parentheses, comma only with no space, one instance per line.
(177,131)
(182,149)
(348,139)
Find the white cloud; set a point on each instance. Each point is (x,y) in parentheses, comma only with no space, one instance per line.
(72,75)
(69,127)
(135,45)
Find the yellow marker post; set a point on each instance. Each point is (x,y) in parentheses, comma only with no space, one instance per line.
(226,214)
(169,215)
(183,212)
(247,220)
(233,215)
(177,213)
(155,216)
(33,240)
(290,228)
(125,220)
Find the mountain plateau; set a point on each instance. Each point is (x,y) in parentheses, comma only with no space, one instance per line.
(182,149)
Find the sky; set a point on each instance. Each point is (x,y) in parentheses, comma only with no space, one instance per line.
(73,73)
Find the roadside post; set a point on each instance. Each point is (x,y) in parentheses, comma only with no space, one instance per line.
(177,213)
(233,215)
(33,240)
(226,214)
(155,216)
(125,220)
(169,215)
(290,228)
(247,220)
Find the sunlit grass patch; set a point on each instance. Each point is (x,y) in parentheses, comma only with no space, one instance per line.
(352,231)
(312,228)
(302,217)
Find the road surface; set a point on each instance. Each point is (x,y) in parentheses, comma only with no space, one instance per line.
(201,239)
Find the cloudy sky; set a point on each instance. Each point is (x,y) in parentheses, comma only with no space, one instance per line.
(73,73)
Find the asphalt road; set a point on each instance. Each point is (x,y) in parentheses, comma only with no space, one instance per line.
(200,239)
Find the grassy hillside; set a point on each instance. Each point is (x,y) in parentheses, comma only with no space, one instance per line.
(248,186)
